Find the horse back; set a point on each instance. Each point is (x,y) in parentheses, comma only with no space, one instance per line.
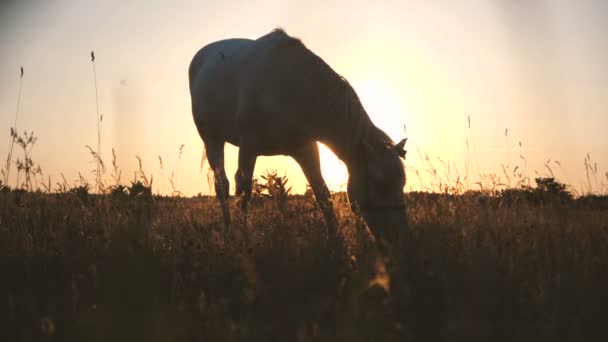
(273,86)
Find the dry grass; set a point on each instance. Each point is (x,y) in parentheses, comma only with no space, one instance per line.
(479,268)
(506,262)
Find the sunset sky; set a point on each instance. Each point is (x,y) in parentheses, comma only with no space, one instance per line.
(537,68)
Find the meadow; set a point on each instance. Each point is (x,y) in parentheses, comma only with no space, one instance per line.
(526,264)
(114,261)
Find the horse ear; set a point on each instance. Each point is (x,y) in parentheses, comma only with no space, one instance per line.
(399,148)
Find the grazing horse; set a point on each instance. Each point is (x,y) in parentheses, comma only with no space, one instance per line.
(273,96)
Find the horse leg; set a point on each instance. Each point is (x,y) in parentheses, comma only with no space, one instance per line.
(244,173)
(308,158)
(215,156)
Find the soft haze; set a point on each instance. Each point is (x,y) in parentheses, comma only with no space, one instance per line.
(536,68)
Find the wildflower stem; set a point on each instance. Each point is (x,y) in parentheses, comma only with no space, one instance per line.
(98,123)
(12,141)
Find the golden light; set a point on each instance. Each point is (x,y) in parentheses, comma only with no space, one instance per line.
(333,169)
(383,105)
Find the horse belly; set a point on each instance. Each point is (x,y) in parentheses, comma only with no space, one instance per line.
(283,143)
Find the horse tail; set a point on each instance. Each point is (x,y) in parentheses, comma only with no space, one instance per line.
(203,157)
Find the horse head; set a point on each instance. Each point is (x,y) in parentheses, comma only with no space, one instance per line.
(375,187)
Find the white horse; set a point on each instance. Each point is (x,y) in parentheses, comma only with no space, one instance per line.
(273,96)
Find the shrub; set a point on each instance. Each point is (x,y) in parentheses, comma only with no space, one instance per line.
(82,192)
(276,188)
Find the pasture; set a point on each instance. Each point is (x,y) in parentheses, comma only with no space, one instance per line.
(469,252)
(508,266)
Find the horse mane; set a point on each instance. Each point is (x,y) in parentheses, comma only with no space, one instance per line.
(356,121)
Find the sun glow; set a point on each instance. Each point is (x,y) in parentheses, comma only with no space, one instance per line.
(333,169)
(383,105)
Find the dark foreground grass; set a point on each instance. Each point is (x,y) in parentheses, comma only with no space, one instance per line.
(478,269)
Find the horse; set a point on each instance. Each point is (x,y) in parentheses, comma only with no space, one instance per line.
(274,96)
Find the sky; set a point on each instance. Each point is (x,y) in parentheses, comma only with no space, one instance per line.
(530,72)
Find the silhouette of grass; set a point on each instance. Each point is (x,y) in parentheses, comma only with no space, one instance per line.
(6,171)
(98,120)
(506,261)
(522,265)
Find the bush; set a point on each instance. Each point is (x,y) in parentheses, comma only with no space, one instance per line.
(140,190)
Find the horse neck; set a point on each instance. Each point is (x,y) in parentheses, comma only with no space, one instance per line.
(347,122)
(347,134)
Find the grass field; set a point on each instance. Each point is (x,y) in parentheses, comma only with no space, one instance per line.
(511,267)
(507,261)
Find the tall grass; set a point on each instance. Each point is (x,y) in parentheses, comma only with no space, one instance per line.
(98,120)
(477,269)
(7,169)
(174,175)
(503,261)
